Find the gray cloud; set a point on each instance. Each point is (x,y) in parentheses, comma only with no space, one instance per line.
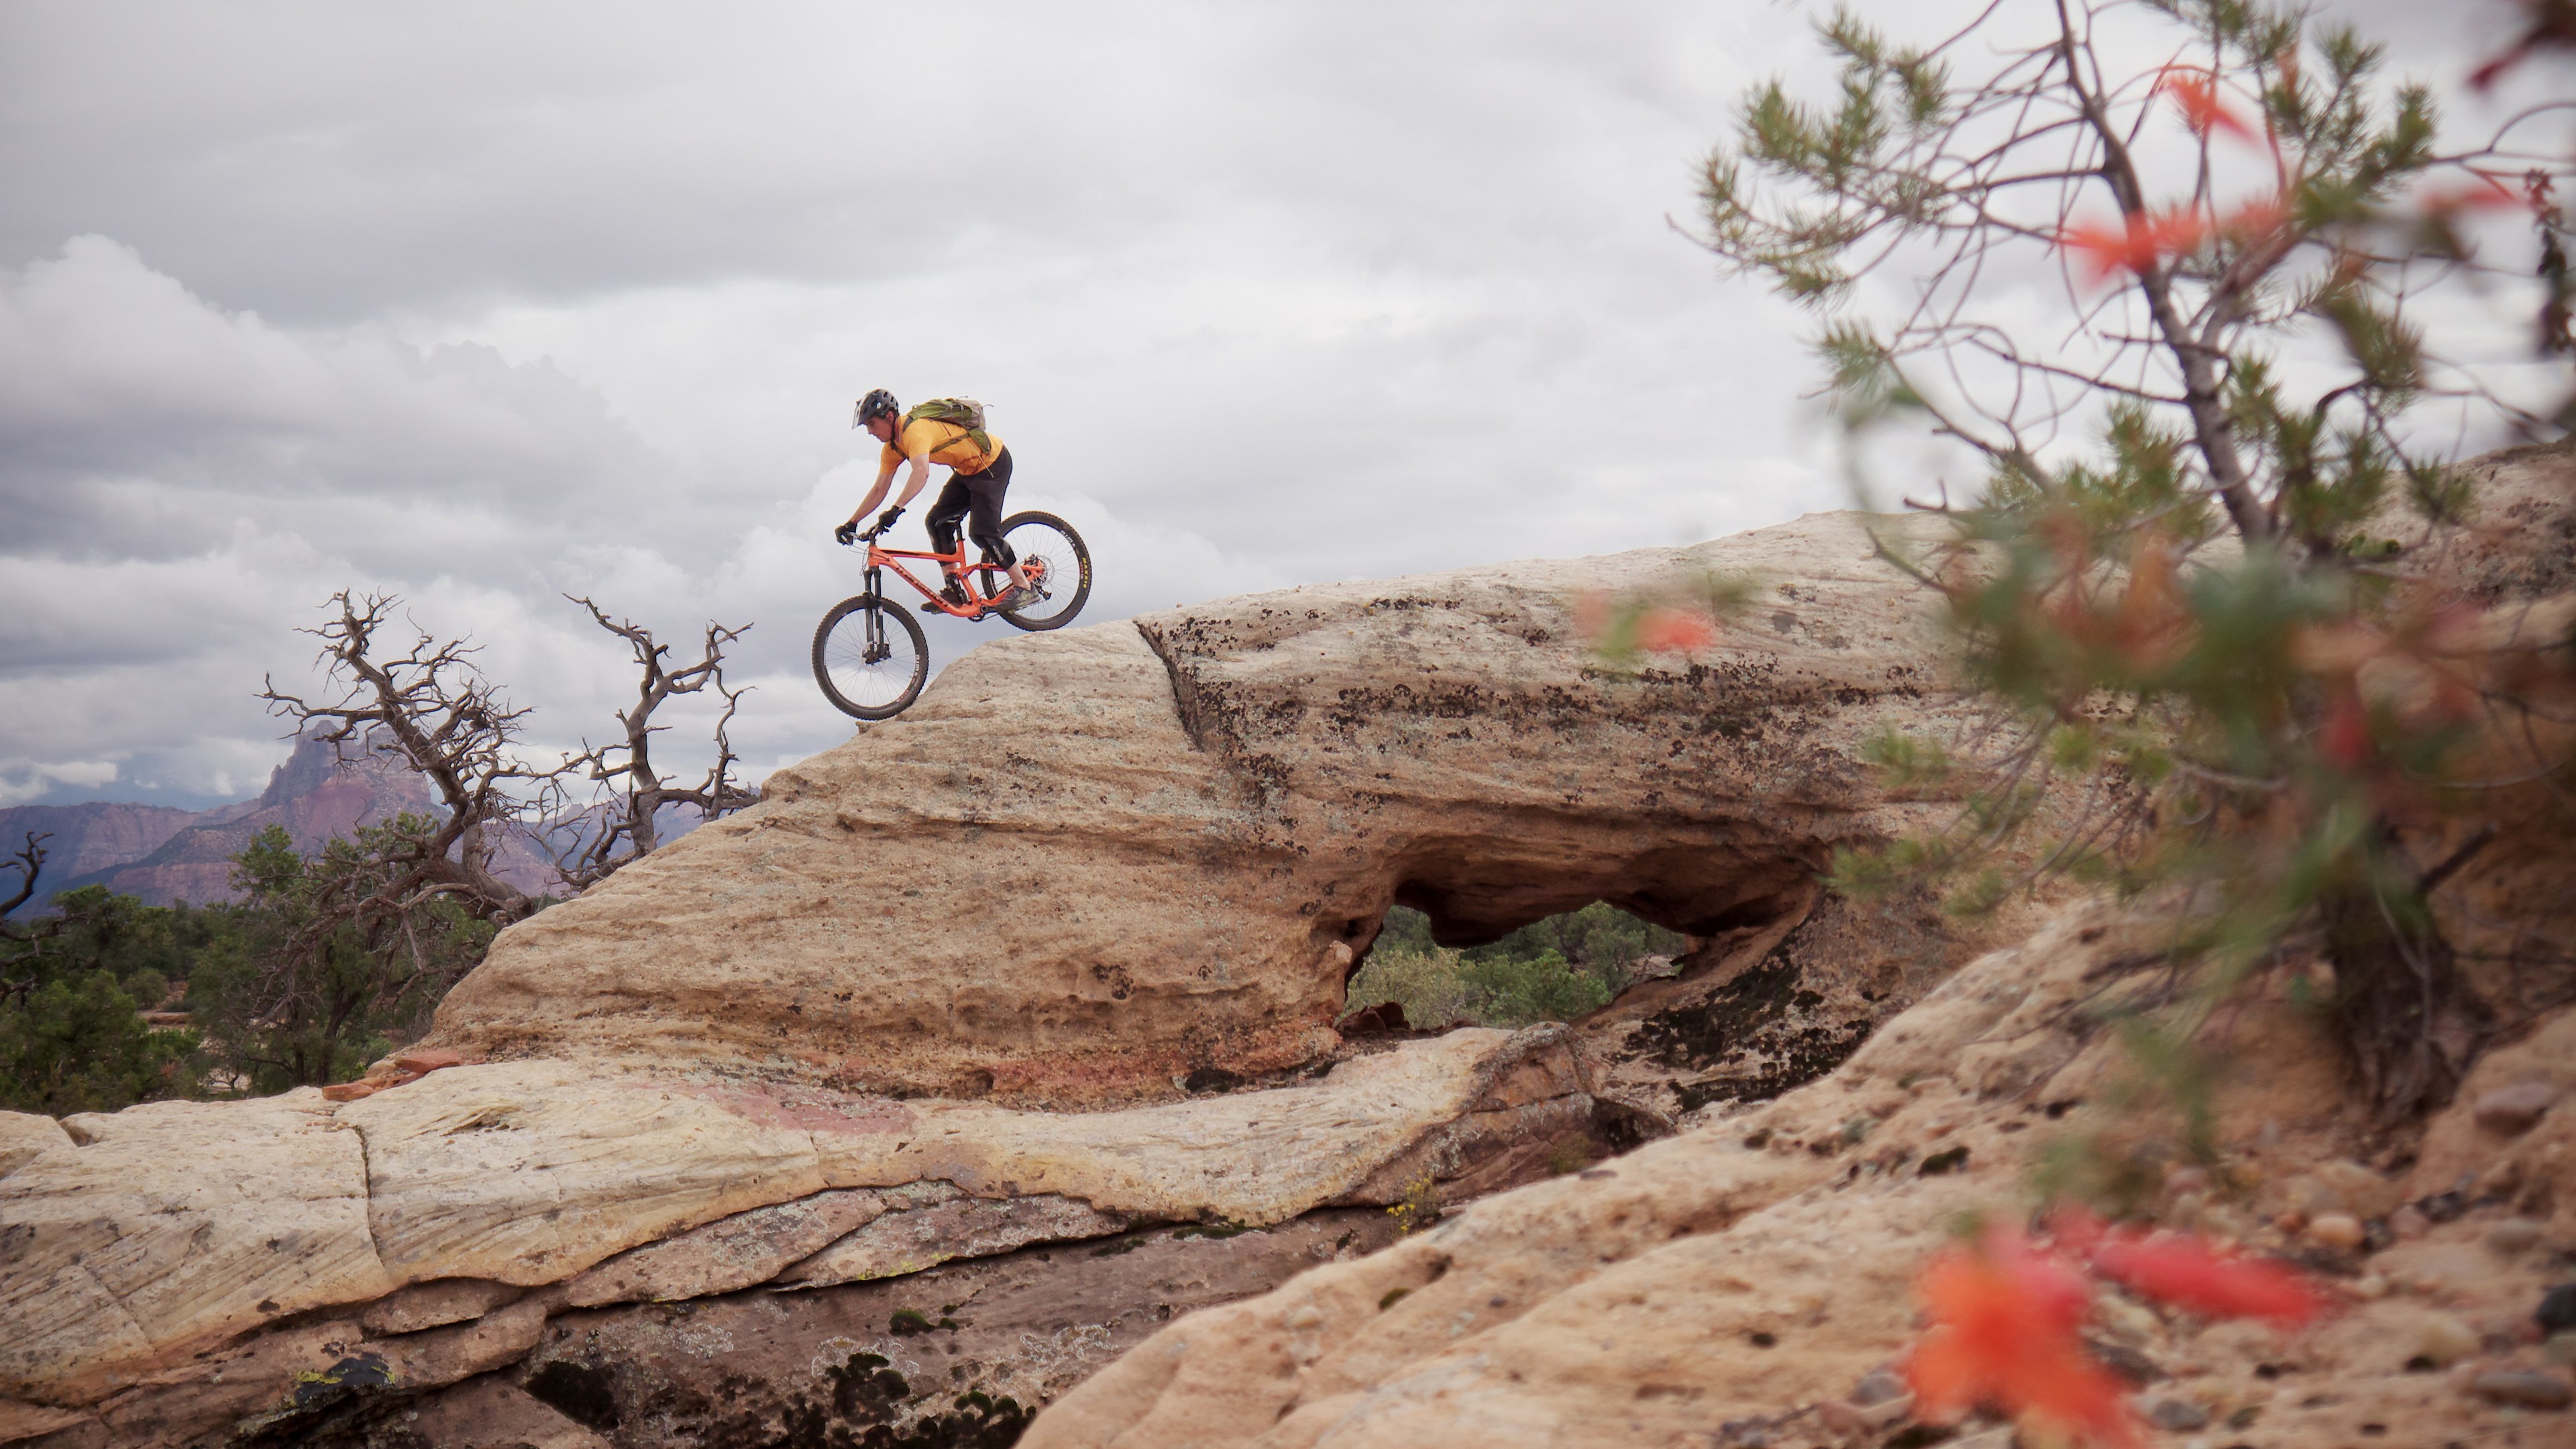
(482,304)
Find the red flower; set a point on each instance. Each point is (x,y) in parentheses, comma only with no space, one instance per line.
(2141,240)
(2182,1270)
(2004,1320)
(2195,94)
(1675,631)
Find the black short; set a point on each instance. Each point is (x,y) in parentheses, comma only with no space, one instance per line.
(977,498)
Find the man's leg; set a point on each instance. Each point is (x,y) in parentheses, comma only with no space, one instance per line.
(955,501)
(984,523)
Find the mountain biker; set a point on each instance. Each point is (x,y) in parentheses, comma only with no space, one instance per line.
(977,482)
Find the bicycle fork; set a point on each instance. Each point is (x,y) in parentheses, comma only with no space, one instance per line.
(876,650)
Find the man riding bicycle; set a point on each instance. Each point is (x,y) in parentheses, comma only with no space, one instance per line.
(979,477)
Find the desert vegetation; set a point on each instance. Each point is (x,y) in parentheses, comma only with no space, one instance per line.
(1551,970)
(323,961)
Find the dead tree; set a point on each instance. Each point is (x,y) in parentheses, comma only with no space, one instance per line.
(623,828)
(431,710)
(24,943)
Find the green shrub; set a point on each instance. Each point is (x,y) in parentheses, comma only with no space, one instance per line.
(1522,991)
(79,1044)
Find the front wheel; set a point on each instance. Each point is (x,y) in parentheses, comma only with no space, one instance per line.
(870,658)
(1058,567)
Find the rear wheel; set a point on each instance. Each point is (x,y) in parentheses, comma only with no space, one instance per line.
(1058,566)
(870,658)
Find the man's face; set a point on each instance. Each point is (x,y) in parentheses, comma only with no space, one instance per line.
(882,425)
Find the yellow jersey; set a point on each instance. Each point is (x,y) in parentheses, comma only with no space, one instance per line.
(943,443)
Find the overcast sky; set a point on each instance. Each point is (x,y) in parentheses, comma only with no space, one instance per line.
(481,304)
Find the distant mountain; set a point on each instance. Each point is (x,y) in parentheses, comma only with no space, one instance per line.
(93,837)
(163,855)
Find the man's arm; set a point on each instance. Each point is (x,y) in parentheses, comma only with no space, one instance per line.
(885,475)
(912,485)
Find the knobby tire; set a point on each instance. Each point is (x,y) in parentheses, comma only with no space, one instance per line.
(1068,581)
(850,617)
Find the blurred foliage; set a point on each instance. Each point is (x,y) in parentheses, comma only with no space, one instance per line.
(2215,669)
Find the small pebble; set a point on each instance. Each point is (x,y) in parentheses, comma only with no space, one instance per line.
(2513,1235)
(2557,1313)
(2442,1207)
(1894,1411)
(2177,1416)
(1877,1387)
(2408,1224)
(2526,1387)
(2511,1111)
(2444,1339)
(2128,1320)
(2338,1230)
(2127,1362)
(2369,1287)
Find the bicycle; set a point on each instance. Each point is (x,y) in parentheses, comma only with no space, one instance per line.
(860,661)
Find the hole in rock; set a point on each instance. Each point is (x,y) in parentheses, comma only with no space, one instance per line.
(1553,969)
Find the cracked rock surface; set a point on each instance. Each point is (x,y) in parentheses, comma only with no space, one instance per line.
(175,1271)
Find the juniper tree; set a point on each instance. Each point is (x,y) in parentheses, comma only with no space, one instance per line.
(2170,313)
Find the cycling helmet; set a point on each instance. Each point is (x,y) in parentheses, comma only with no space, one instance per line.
(878,403)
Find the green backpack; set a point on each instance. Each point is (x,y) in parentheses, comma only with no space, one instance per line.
(963,412)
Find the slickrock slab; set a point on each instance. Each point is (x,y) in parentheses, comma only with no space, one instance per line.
(728,1254)
(1242,1157)
(181,1226)
(529,1172)
(962,1227)
(1178,833)
(988,1340)
(177,1223)
(1749,1280)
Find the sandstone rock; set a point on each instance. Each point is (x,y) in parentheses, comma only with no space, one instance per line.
(2525,1387)
(178,1224)
(435,1304)
(730,1253)
(426,1059)
(25,1134)
(917,1237)
(1745,1273)
(203,1397)
(2445,1339)
(529,1172)
(183,1225)
(493,1413)
(21,1422)
(2511,1111)
(1187,844)
(2541,1155)
(442,1356)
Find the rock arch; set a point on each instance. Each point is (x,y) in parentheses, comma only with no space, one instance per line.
(1088,864)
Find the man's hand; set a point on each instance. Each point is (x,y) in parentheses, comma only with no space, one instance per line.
(886,519)
(847,532)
